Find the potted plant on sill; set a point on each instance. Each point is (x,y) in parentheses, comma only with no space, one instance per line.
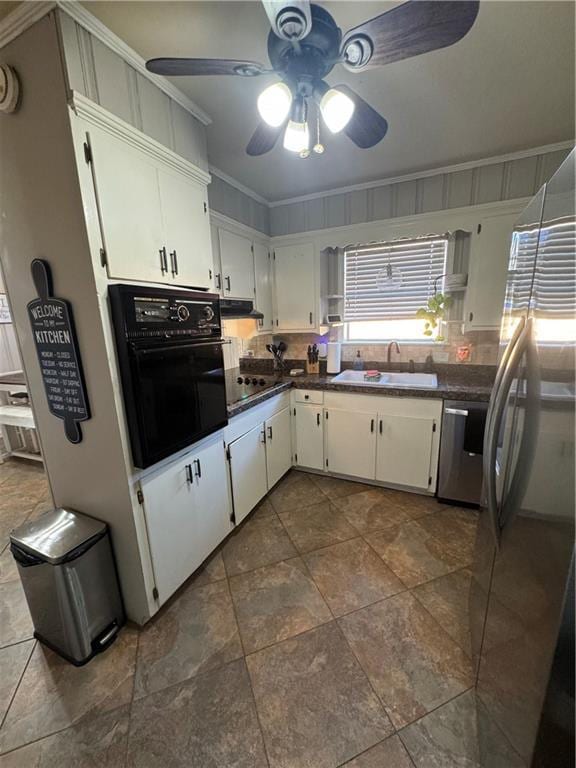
(433,314)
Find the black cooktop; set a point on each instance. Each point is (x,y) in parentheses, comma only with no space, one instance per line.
(240,386)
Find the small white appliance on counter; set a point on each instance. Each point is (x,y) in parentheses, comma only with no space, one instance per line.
(334,360)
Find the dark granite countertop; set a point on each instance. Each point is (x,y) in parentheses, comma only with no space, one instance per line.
(472,383)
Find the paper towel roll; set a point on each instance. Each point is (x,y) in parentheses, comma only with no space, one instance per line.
(334,357)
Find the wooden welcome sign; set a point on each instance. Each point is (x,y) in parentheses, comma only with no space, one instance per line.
(57,349)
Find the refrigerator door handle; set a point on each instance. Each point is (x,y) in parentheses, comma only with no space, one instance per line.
(502,367)
(508,368)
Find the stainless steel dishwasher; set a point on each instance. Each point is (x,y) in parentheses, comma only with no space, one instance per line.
(460,475)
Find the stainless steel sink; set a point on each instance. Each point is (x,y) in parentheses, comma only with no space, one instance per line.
(388,379)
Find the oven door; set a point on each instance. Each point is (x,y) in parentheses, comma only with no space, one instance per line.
(180,396)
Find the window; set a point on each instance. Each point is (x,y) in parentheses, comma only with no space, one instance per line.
(386,283)
(551,284)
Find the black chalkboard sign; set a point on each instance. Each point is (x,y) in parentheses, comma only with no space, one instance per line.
(58,355)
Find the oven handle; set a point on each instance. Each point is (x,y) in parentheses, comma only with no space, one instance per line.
(167,347)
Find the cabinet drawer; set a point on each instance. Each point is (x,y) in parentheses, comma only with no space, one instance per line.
(308,396)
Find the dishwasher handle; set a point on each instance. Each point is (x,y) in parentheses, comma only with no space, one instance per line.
(456,411)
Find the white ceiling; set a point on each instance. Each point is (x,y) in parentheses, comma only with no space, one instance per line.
(507,86)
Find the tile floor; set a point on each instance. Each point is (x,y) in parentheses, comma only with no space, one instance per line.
(330,629)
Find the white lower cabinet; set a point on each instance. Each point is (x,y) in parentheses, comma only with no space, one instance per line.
(309,436)
(351,442)
(278,446)
(404,450)
(247,456)
(187,508)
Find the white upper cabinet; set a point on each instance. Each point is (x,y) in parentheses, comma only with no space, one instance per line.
(488,271)
(187,229)
(128,197)
(237,264)
(154,220)
(263,283)
(295,288)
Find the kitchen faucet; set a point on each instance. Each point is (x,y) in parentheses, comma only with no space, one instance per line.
(392,344)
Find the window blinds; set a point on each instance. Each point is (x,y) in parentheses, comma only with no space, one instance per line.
(552,285)
(419,261)
(554,291)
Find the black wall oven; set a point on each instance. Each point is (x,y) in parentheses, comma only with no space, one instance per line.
(171,362)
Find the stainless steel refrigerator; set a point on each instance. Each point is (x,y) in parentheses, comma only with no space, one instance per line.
(522,590)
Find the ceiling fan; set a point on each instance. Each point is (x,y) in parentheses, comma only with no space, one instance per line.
(305,44)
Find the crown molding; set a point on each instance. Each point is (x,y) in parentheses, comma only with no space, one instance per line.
(22,17)
(238,185)
(221,220)
(28,13)
(97,115)
(98,29)
(534,151)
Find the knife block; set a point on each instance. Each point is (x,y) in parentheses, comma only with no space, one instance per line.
(312,368)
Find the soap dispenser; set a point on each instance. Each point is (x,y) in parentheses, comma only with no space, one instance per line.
(358,363)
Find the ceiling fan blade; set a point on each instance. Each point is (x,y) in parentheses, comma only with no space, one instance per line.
(172,67)
(289,19)
(366,127)
(263,139)
(407,30)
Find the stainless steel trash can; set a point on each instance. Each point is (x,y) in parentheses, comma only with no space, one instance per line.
(69,577)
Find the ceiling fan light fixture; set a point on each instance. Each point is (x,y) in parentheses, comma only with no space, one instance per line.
(297,137)
(337,109)
(274,104)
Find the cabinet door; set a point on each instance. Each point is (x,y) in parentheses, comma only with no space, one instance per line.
(187,229)
(263,283)
(351,443)
(174,532)
(217,285)
(248,471)
(488,272)
(128,195)
(237,265)
(210,474)
(309,434)
(295,287)
(278,446)
(404,450)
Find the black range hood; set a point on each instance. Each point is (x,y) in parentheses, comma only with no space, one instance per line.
(238,308)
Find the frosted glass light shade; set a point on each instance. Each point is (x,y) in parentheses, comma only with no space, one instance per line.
(337,109)
(274,104)
(296,137)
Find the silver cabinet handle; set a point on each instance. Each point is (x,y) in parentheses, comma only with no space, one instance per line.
(163,260)
(189,478)
(263,436)
(197,469)
(311,319)
(218,277)
(270,433)
(174,263)
(227,278)
(498,402)
(456,411)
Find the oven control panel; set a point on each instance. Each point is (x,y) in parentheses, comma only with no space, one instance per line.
(160,312)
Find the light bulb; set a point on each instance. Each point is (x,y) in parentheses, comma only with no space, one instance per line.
(296,137)
(274,104)
(337,109)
